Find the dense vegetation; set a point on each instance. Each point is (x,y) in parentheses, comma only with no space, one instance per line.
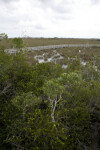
(43,106)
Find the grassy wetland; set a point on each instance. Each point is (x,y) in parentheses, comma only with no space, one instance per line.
(50,99)
(31,42)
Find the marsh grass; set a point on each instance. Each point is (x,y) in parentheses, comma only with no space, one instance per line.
(56,41)
(72,56)
(74,59)
(31,42)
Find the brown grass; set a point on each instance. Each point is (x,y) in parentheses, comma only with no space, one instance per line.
(31,42)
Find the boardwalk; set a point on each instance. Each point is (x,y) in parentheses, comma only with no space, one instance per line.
(51,47)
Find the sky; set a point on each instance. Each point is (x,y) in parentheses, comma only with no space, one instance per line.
(50,18)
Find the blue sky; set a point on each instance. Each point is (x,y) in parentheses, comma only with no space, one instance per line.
(50,18)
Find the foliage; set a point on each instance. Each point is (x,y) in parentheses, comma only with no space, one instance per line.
(45,107)
(3,36)
(18,42)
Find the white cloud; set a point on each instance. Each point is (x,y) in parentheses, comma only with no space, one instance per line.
(50,18)
(95,1)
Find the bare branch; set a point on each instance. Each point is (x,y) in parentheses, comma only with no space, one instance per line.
(4,91)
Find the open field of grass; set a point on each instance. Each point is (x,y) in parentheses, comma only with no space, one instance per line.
(56,41)
(31,42)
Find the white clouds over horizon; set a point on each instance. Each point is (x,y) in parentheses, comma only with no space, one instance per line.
(50,18)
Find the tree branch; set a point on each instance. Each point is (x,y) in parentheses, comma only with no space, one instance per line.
(4,91)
